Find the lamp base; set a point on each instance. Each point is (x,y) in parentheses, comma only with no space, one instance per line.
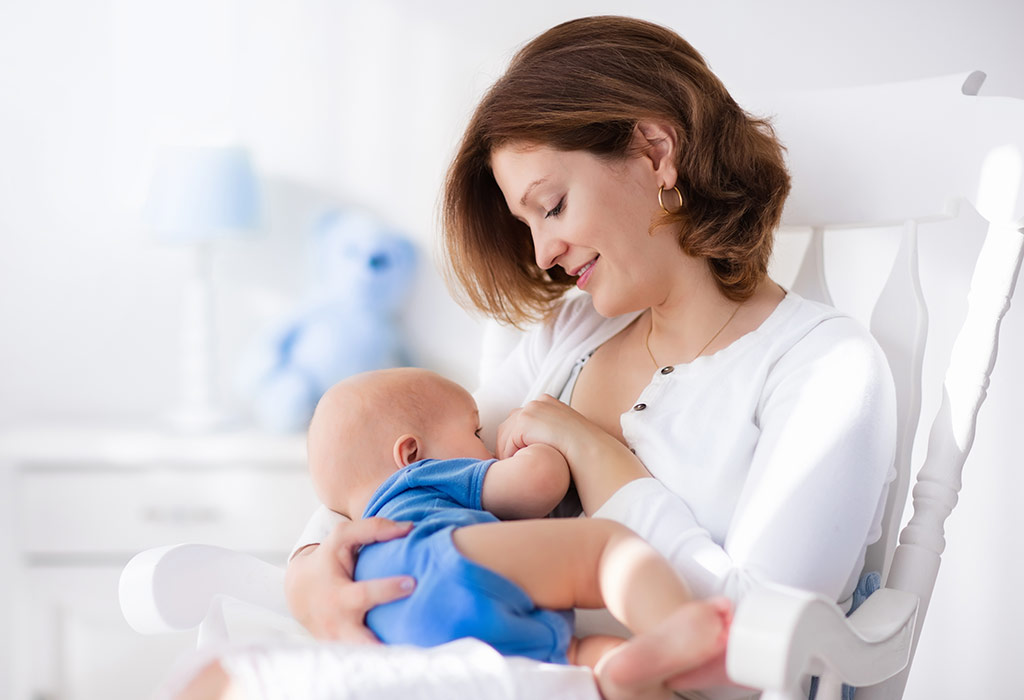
(198,407)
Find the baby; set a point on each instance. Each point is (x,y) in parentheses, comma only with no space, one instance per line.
(404,444)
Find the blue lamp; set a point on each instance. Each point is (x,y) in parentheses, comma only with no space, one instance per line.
(199,196)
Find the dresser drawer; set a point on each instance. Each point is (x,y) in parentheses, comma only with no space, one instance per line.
(93,512)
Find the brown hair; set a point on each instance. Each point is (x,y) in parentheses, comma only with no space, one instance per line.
(584,85)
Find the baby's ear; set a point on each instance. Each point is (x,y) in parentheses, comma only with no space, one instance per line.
(407,450)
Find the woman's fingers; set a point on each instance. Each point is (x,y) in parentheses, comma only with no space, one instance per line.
(370,530)
(503,444)
(360,596)
(355,600)
(512,441)
(361,635)
(343,611)
(347,536)
(320,588)
(363,595)
(544,419)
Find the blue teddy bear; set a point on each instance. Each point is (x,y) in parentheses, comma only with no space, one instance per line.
(362,274)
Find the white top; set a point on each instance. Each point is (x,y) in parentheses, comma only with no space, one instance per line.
(770,458)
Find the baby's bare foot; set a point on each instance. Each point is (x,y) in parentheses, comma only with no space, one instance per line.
(690,637)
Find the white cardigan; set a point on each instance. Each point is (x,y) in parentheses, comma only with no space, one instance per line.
(770,458)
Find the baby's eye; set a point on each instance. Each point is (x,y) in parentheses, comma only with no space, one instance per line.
(557,210)
(477,432)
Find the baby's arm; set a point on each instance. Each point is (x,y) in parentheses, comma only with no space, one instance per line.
(529,484)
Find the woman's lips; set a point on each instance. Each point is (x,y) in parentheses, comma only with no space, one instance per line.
(585,273)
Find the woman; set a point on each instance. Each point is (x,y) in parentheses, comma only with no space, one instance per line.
(746,433)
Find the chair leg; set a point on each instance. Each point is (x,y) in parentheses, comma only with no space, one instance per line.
(213,630)
(829,687)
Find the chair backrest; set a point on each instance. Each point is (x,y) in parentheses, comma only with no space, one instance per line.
(900,155)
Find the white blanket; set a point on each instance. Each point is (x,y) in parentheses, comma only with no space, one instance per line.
(465,668)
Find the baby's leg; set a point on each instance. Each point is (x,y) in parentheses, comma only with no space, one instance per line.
(579,562)
(591,563)
(588,651)
(687,650)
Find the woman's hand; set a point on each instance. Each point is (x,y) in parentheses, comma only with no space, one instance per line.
(321,592)
(545,420)
(599,463)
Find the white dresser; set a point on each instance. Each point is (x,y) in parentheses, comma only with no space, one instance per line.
(78,503)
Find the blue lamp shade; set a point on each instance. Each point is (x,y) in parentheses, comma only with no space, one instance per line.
(200,194)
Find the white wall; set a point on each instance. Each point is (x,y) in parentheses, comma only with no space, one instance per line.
(362,103)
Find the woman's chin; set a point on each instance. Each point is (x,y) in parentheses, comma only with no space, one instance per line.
(610,308)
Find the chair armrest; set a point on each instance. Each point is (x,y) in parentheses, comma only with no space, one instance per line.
(781,635)
(174,588)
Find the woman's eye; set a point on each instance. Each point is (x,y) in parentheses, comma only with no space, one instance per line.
(557,210)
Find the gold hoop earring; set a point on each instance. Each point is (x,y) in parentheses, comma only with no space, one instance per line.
(661,201)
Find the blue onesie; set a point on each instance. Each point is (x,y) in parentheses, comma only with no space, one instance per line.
(454,597)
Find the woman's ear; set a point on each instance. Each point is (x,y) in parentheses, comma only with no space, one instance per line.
(407,450)
(657,142)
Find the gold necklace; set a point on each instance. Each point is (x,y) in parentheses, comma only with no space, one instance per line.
(647,338)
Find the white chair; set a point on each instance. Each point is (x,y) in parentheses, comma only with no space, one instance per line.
(906,153)
(889,156)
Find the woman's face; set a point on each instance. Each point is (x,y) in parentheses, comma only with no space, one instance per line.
(591,217)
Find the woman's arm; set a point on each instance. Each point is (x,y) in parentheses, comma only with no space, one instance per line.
(319,587)
(810,502)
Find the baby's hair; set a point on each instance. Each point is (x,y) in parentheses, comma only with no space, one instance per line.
(391,402)
(357,422)
(407,399)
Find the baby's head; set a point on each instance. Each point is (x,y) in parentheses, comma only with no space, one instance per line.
(370,425)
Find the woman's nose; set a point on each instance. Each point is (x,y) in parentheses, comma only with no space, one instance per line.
(548,249)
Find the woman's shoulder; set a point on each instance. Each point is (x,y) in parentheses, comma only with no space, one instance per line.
(809,322)
(813,332)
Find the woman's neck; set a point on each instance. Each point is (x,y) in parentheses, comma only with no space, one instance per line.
(698,319)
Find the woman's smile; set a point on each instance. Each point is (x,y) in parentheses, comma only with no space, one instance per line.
(584,273)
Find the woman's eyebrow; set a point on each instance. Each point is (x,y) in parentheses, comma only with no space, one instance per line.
(529,189)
